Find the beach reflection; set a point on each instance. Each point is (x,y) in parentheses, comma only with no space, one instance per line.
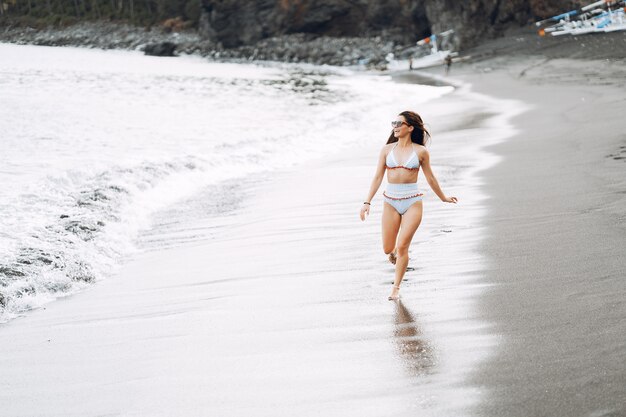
(416,353)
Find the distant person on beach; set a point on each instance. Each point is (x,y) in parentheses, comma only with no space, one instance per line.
(448,63)
(402,210)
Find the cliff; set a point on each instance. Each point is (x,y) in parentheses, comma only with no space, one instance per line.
(242,22)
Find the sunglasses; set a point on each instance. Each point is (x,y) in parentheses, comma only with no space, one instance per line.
(397,123)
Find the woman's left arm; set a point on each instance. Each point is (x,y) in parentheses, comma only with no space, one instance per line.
(430,177)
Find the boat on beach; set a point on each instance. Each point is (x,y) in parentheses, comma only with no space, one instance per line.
(599,17)
(436,55)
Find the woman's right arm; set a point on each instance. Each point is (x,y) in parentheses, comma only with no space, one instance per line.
(376,181)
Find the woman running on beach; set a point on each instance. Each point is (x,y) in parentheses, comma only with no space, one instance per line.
(403,212)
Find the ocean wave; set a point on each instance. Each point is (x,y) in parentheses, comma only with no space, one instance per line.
(91,222)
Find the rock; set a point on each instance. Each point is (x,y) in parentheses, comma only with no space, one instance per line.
(11,272)
(241,22)
(160,49)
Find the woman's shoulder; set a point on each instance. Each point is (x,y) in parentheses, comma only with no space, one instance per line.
(420,150)
(387,147)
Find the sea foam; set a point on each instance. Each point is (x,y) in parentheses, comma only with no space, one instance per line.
(95,143)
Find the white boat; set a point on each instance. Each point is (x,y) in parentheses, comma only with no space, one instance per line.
(432,60)
(592,19)
(435,58)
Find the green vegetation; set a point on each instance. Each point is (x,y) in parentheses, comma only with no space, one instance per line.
(66,12)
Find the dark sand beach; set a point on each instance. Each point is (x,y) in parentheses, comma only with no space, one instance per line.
(557,240)
(519,310)
(556,231)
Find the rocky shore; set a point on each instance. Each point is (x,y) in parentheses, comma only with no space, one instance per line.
(103,35)
(371,52)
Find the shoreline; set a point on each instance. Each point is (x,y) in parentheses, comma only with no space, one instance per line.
(556,233)
(297,48)
(566,359)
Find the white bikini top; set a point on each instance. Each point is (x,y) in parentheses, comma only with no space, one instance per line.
(411,164)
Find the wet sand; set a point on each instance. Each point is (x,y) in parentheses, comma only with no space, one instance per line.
(284,313)
(556,235)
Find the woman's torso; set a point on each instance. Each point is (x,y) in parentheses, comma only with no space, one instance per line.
(402,164)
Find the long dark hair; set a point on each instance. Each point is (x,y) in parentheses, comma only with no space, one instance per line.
(419,134)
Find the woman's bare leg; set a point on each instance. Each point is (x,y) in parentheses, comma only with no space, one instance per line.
(390,224)
(410,222)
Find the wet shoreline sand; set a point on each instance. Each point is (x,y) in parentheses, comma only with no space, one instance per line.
(555,238)
(300,324)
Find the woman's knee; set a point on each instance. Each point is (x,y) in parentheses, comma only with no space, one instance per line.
(403,248)
(388,248)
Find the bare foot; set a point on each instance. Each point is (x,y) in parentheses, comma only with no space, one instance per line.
(393,257)
(395,294)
